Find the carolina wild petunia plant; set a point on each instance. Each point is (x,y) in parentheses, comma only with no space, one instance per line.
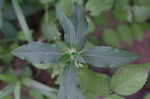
(73,55)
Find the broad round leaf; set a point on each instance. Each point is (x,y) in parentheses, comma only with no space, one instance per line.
(138,32)
(100,83)
(96,7)
(120,10)
(101,20)
(111,37)
(130,79)
(125,34)
(50,30)
(67,5)
(120,14)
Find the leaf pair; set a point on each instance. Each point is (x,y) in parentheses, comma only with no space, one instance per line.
(100,56)
(126,81)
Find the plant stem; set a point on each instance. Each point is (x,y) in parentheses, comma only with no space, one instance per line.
(22,21)
(46,13)
(17,90)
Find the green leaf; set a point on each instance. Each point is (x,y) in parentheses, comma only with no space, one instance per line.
(142,2)
(141,13)
(110,37)
(101,56)
(145,26)
(138,32)
(114,97)
(125,34)
(120,10)
(101,20)
(7,97)
(6,91)
(44,2)
(100,83)
(74,31)
(35,94)
(36,85)
(1,3)
(38,53)
(128,80)
(11,33)
(120,14)
(67,5)
(22,21)
(26,72)
(147,96)
(43,66)
(67,25)
(17,91)
(96,7)
(79,20)
(43,89)
(8,78)
(49,30)
(69,87)
(50,95)
(80,23)
(121,4)
(91,26)
(28,9)
(1,19)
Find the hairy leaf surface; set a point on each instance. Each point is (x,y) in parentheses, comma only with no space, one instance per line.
(101,56)
(74,31)
(38,53)
(69,88)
